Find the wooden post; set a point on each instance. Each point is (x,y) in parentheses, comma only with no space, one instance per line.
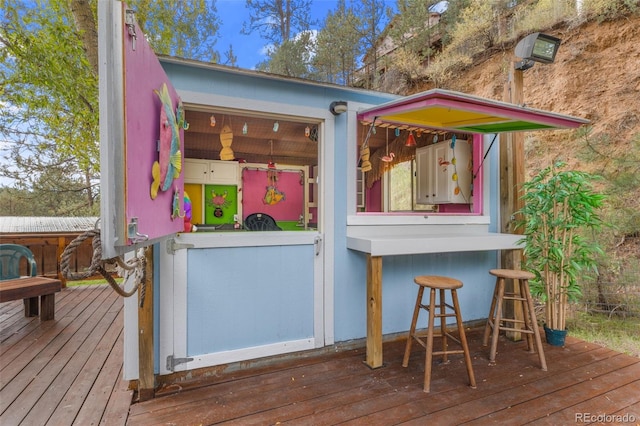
(374,311)
(62,243)
(146,381)
(512,176)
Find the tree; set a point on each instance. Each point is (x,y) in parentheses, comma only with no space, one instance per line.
(413,29)
(186,29)
(230,58)
(49,92)
(49,82)
(338,46)
(278,20)
(374,16)
(292,58)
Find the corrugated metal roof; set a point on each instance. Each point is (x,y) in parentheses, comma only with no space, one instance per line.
(34,225)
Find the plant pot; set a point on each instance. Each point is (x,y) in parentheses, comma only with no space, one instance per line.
(555,337)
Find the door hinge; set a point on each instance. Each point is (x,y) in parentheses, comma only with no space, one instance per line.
(172,246)
(318,243)
(172,362)
(130,22)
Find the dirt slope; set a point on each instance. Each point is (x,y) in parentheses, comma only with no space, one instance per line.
(596,76)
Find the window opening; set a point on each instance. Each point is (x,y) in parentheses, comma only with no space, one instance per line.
(239,163)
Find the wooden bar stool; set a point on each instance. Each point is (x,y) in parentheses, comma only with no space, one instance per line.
(497,322)
(438,283)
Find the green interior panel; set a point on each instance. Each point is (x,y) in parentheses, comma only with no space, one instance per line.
(220,204)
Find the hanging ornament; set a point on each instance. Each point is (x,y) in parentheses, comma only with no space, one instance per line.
(397,132)
(364,155)
(411,141)
(212,121)
(276,126)
(390,155)
(245,129)
(226,139)
(307,131)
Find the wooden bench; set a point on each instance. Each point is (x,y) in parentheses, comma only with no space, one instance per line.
(29,289)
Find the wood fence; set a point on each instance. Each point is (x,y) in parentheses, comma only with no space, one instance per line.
(47,249)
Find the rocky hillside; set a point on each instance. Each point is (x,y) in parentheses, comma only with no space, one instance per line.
(596,76)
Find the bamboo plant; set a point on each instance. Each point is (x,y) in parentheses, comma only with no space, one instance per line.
(560,206)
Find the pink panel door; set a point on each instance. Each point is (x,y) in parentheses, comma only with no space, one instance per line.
(149,141)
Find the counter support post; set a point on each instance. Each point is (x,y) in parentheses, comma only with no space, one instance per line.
(374,311)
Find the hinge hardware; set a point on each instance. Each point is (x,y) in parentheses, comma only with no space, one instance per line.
(172,362)
(130,22)
(172,246)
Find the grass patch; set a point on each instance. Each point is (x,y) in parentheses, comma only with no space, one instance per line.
(618,334)
(99,281)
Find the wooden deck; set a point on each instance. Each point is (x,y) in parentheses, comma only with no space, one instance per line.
(336,387)
(68,371)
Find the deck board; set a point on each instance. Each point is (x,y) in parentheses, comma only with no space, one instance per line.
(50,371)
(339,388)
(69,372)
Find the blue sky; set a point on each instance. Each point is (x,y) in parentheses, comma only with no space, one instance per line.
(249,49)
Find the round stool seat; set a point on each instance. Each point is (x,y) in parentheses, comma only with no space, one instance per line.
(434,281)
(514,274)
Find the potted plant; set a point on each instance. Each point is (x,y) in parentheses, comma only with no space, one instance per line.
(559,207)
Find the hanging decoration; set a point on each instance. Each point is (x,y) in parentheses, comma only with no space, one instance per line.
(307,131)
(188,226)
(411,141)
(276,126)
(245,129)
(273,195)
(364,163)
(169,164)
(219,202)
(313,134)
(226,139)
(176,205)
(212,121)
(390,155)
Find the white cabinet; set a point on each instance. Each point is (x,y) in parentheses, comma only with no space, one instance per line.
(210,171)
(444,173)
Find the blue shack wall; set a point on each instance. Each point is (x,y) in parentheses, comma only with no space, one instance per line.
(349,272)
(399,291)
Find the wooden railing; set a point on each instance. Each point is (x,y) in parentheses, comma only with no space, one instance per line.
(47,249)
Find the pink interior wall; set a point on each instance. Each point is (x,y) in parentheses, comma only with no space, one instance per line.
(254,188)
(373,197)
